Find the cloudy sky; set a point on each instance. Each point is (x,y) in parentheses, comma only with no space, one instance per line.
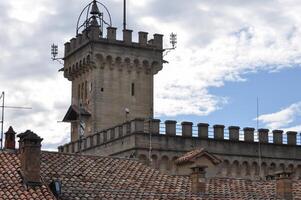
(229,53)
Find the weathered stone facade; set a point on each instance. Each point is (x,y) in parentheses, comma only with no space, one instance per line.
(160,149)
(111,79)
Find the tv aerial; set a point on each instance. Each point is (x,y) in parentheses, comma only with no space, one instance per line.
(173,40)
(3,106)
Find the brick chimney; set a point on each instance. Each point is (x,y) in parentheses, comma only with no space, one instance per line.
(30,157)
(198,179)
(10,141)
(284,185)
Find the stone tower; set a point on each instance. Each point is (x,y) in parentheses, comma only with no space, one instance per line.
(112,80)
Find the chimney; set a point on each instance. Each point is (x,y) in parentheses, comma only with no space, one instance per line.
(30,158)
(198,179)
(284,185)
(10,142)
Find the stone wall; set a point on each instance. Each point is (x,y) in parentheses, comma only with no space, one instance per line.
(110,76)
(238,150)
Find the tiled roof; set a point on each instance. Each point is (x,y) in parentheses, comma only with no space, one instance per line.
(11,186)
(191,155)
(93,177)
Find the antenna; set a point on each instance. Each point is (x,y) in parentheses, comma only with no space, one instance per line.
(259,146)
(81,126)
(2,116)
(173,41)
(124,14)
(54,53)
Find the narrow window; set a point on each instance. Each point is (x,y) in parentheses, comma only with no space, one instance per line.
(91,87)
(86,89)
(101,89)
(133,89)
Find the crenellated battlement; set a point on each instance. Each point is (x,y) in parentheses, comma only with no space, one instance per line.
(109,52)
(186,130)
(237,148)
(156,43)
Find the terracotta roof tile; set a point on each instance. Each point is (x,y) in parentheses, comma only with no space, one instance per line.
(11,186)
(92,177)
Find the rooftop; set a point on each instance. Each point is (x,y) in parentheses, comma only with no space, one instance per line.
(94,177)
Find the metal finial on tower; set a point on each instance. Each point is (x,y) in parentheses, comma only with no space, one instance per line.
(94,10)
(91,15)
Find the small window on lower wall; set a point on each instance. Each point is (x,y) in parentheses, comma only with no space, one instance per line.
(133,89)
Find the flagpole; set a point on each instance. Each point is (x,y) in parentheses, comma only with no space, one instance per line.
(2,118)
(124,14)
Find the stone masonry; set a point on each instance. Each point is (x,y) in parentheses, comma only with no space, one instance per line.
(237,149)
(112,79)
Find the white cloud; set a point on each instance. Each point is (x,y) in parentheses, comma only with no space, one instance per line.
(218,41)
(282,118)
(30,10)
(195,68)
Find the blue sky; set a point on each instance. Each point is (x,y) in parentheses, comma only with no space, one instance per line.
(275,90)
(228,53)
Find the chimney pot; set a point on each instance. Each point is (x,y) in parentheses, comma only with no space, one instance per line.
(284,188)
(10,141)
(198,179)
(30,157)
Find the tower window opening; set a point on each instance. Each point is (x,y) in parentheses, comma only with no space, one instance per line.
(101,89)
(90,87)
(133,89)
(86,89)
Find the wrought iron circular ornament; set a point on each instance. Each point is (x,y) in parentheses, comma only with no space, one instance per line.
(91,15)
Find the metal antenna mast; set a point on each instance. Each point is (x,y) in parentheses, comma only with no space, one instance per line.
(259,146)
(124,14)
(2,96)
(2,118)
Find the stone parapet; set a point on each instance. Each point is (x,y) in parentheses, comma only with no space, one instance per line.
(249,134)
(203,130)
(187,129)
(234,133)
(83,38)
(218,131)
(291,137)
(277,136)
(263,135)
(169,129)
